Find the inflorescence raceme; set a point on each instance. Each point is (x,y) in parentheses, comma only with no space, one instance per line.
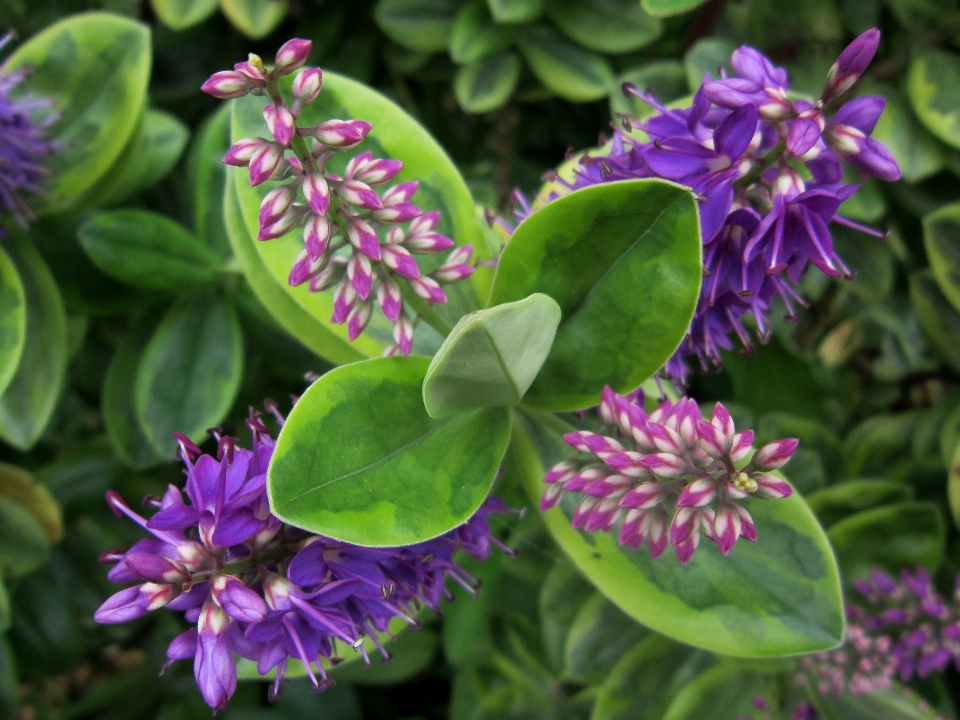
(255,587)
(768,174)
(357,241)
(671,476)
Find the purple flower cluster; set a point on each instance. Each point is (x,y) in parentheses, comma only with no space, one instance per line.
(265,591)
(357,241)
(764,711)
(671,476)
(22,143)
(905,629)
(767,173)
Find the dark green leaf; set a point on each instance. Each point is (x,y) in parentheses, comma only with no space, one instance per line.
(23,543)
(873,444)
(255,18)
(397,135)
(953,487)
(18,484)
(412,653)
(516,11)
(564,68)
(918,153)
(933,75)
(190,371)
(665,8)
(941,236)
(563,593)
(873,262)
(491,357)
(475,36)
(96,68)
(949,435)
(890,538)
(487,84)
(778,596)
(466,628)
(29,400)
(599,634)
(208,177)
(148,158)
(4,626)
(773,380)
(622,260)
(117,405)
(607,26)
(725,686)
(398,476)
(423,25)
(666,78)
(147,249)
(839,501)
(181,14)
(706,56)
(13,319)
(938,318)
(9,681)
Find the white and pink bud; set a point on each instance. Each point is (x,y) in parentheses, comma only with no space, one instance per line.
(772,487)
(644,496)
(390,299)
(229,84)
(748,531)
(306,88)
(711,441)
(561,472)
(342,134)
(400,261)
(360,274)
(241,152)
(403,334)
(317,192)
(374,172)
(275,203)
(665,439)
(305,268)
(699,493)
(358,319)
(603,516)
(330,275)
(264,162)
(354,192)
(775,454)
(628,463)
(427,241)
(281,226)
(280,123)
(456,267)
(316,236)
(665,465)
(291,56)
(586,441)
(361,235)
(608,406)
(428,289)
(397,213)
(726,528)
(741,446)
(344,299)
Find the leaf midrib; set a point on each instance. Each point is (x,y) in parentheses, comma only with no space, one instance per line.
(503,365)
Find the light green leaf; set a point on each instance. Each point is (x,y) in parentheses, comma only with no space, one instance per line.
(32,394)
(897,703)
(569,71)
(397,135)
(607,26)
(149,157)
(622,260)
(666,8)
(516,11)
(23,544)
(397,476)
(491,357)
(487,84)
(933,75)
(918,154)
(842,500)
(778,596)
(190,372)
(117,404)
(208,176)
(938,318)
(255,18)
(95,67)
(13,319)
(182,14)
(891,537)
(475,36)
(422,25)
(706,56)
(666,78)
(147,249)
(941,237)
(724,686)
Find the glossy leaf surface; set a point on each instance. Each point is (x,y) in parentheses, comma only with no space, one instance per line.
(255,18)
(96,68)
(13,319)
(665,8)
(516,11)
(724,686)
(20,485)
(190,371)
(23,543)
(607,26)
(208,178)
(623,262)
(423,25)
(938,318)
(491,357)
(360,460)
(932,76)
(918,153)
(181,14)
(476,36)
(31,396)
(564,68)
(487,84)
(941,237)
(893,704)
(778,596)
(147,249)
(844,499)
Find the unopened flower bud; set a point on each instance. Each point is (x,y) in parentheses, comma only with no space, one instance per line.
(850,65)
(280,122)
(291,57)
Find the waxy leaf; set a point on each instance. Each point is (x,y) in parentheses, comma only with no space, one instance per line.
(13,319)
(147,249)
(932,77)
(423,25)
(31,396)
(607,26)
(17,484)
(897,703)
(396,135)
(778,596)
(208,177)
(563,593)
(564,68)
(148,158)
(725,686)
(941,237)
(475,36)
(516,11)
(891,537)
(95,67)
(953,487)
(938,318)
(918,153)
(599,634)
(491,357)
(24,545)
(181,14)
(842,500)
(622,260)
(190,372)
(487,84)
(255,18)
(665,8)
(360,460)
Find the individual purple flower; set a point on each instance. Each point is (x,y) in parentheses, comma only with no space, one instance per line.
(763,221)
(668,478)
(355,242)
(256,588)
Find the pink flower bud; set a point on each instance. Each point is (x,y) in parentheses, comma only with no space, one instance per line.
(603,516)
(585,477)
(358,319)
(304,269)
(644,496)
(306,86)
(561,472)
(741,446)
(397,213)
(665,439)
(280,123)
(427,241)
(628,463)
(361,236)
(251,71)
(664,464)
(551,496)
(772,487)
(850,65)
(390,299)
(275,204)
(712,443)
(428,289)
(330,275)
(374,172)
(291,57)
(400,261)
(748,531)
(726,529)
(608,412)
(360,274)
(611,485)
(227,84)
(342,133)
(583,511)
(456,267)
(343,301)
(403,334)
(242,151)
(776,454)
(317,193)
(698,493)
(316,235)
(284,224)
(354,192)
(402,193)
(264,162)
